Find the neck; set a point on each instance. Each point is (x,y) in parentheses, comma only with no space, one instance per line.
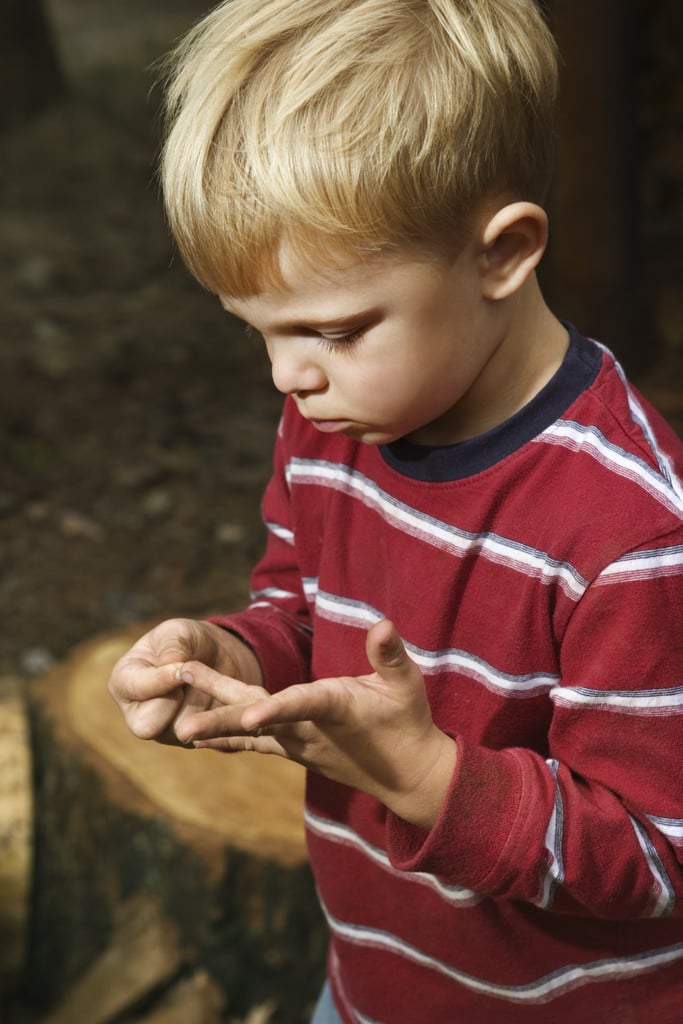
(531,345)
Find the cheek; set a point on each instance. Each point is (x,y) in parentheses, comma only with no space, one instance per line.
(385,386)
(399,399)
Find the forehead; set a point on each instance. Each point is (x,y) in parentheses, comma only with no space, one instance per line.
(329,291)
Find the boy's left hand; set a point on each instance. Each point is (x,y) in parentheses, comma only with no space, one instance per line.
(373,732)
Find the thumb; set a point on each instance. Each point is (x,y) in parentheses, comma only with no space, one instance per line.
(386,652)
(178,641)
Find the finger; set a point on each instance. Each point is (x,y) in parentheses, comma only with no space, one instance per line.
(151,719)
(221,688)
(264,744)
(176,640)
(321,701)
(214,703)
(135,680)
(387,654)
(221,722)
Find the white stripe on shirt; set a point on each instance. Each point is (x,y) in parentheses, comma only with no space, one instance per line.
(334,832)
(643,565)
(664,898)
(578,437)
(548,986)
(346,612)
(437,533)
(667,701)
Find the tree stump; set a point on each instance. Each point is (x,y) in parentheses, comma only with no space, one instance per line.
(215,840)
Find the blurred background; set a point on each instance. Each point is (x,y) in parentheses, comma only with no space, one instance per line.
(136,419)
(135,428)
(135,425)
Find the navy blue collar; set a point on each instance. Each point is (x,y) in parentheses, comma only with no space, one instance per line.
(457,461)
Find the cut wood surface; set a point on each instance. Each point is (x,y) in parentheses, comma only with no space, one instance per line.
(253,801)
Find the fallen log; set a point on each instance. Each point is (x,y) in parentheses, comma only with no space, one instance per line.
(217,840)
(16,821)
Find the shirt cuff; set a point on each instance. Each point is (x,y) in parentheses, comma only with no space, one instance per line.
(281,644)
(467,844)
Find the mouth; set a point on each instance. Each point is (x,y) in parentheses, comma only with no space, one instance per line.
(330,426)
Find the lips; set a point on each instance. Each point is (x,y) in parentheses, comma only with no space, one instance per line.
(330,426)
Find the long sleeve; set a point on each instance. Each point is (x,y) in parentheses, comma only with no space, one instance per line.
(595,824)
(276,625)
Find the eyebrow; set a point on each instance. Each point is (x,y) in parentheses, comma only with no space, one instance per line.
(330,323)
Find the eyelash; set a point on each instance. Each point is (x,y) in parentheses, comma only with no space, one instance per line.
(333,343)
(330,342)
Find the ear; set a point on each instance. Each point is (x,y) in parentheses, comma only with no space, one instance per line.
(514,240)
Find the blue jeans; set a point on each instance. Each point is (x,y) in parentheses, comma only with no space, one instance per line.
(325,1012)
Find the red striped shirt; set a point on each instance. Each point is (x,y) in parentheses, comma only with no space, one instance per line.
(535,574)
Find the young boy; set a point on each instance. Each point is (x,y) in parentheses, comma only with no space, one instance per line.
(468,616)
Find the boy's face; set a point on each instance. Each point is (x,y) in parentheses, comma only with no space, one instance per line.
(380,349)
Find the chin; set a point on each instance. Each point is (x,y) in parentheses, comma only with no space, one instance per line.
(371,435)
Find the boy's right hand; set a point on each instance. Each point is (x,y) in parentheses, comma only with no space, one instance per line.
(144,685)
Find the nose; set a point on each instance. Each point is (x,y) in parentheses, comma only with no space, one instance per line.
(294,366)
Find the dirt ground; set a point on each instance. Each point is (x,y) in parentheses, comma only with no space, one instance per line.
(135,420)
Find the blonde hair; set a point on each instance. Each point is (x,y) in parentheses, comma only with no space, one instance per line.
(350,127)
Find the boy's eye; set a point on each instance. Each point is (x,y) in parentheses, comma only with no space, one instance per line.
(334,342)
